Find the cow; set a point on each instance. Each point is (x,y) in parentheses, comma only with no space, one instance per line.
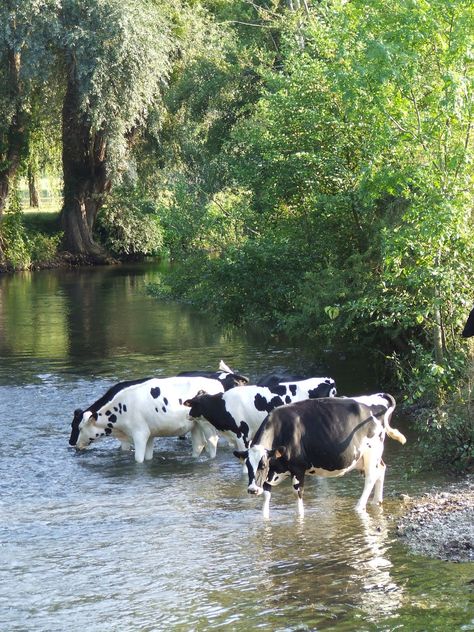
(139,410)
(238,413)
(327,437)
(225,375)
(270,379)
(468,330)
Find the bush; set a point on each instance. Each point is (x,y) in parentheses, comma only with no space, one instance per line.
(44,248)
(15,243)
(128,225)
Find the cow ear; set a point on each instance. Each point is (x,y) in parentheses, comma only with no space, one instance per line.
(188,403)
(241,455)
(89,417)
(279,452)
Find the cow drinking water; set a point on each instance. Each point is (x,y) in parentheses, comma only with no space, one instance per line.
(327,437)
(137,411)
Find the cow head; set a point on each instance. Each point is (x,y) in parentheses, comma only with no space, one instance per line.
(260,462)
(196,404)
(84,429)
(229,380)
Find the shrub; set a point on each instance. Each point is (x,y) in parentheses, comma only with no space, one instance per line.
(128,225)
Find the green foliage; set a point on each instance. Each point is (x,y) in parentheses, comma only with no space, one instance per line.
(15,252)
(445,427)
(129,226)
(44,248)
(119,54)
(24,247)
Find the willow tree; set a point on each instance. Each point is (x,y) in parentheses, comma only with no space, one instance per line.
(116,56)
(23,73)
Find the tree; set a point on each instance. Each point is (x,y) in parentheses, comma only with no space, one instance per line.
(23,71)
(117,57)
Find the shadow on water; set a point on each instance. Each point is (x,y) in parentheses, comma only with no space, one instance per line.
(95,541)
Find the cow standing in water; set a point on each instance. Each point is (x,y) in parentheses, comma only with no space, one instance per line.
(238,413)
(137,411)
(327,437)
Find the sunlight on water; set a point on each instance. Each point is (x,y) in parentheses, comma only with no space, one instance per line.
(93,541)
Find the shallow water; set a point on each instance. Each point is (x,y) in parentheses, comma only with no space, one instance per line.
(93,541)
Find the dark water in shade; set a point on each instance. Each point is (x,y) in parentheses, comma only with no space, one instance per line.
(93,541)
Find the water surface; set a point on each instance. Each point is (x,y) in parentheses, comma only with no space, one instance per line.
(93,541)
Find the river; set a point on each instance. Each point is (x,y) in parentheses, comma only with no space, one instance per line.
(94,541)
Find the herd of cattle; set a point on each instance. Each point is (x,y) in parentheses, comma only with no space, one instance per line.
(285,425)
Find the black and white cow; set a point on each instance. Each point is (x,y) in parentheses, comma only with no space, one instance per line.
(238,413)
(225,375)
(468,330)
(326,437)
(270,379)
(137,411)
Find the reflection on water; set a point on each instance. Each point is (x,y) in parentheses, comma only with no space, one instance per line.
(96,541)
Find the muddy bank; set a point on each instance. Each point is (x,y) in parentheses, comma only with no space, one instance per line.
(441,524)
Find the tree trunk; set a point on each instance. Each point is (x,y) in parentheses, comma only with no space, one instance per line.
(33,189)
(85,180)
(15,136)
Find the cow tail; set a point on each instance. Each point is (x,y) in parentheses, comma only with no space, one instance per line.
(393,433)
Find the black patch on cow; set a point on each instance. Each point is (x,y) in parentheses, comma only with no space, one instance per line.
(110,425)
(180,401)
(322,390)
(165,401)
(107,413)
(113,419)
(155,392)
(287,399)
(78,414)
(228,380)
(163,408)
(124,408)
(244,430)
(108,431)
(278,389)
(292,388)
(116,409)
(278,378)
(261,403)
(212,408)
(112,392)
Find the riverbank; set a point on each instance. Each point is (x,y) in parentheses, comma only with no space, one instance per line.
(63,260)
(441,524)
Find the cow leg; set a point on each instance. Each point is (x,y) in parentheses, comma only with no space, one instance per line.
(211,438)
(149,449)
(198,440)
(203,435)
(140,441)
(298,486)
(267,494)
(378,487)
(372,459)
